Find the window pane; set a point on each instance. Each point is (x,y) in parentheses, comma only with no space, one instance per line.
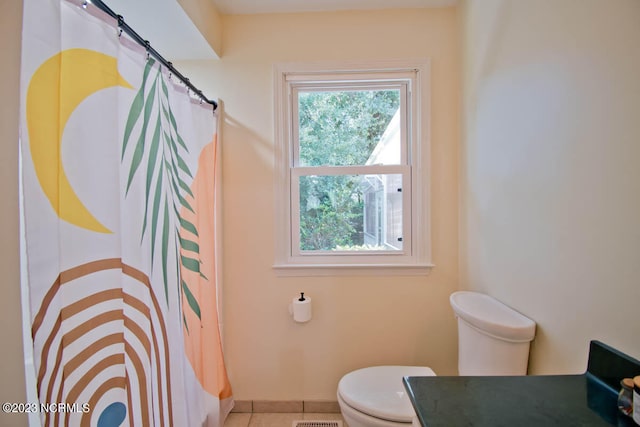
(348,128)
(351,212)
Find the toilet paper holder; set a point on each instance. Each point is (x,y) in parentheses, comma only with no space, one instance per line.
(300,308)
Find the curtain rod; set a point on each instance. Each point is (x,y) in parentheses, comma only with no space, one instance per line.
(145,43)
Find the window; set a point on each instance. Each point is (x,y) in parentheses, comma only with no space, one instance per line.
(352,175)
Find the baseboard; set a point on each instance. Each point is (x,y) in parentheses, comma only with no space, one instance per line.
(287,406)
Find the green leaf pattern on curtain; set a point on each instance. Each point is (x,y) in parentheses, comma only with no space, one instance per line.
(150,113)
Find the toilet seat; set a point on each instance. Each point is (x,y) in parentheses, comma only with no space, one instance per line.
(378,391)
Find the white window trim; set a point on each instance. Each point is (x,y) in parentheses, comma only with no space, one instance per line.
(419,260)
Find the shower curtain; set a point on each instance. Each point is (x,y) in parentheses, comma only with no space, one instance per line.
(119,201)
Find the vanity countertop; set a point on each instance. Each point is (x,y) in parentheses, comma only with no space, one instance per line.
(583,400)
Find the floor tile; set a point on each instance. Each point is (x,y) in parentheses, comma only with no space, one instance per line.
(279,406)
(242,406)
(322,416)
(273,420)
(327,406)
(237,419)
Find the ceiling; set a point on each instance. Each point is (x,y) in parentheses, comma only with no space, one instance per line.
(171,32)
(284,6)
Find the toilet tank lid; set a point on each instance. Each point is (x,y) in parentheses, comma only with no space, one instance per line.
(492,316)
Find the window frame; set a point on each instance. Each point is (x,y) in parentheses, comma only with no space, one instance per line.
(415,256)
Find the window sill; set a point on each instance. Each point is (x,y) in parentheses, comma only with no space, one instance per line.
(307,270)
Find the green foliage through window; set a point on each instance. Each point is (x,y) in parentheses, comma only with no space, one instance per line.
(343,127)
(338,128)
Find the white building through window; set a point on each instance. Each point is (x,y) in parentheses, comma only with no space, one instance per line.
(352,168)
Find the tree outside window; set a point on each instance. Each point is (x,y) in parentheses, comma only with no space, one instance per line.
(343,128)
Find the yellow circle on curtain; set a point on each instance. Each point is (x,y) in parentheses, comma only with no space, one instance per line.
(56,88)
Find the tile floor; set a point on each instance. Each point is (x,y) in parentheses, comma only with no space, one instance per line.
(238,419)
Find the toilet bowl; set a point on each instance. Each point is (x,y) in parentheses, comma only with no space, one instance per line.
(375,396)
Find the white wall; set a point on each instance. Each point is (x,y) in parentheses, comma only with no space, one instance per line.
(550,183)
(358,321)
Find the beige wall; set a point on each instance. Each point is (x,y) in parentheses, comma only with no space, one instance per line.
(358,321)
(550,183)
(12,387)
(207,19)
(549,190)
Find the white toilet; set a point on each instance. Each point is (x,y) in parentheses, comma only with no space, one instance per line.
(493,339)
(375,396)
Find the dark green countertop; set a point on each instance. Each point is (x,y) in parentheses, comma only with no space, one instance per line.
(537,401)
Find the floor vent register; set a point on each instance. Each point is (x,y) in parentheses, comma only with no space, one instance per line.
(313,423)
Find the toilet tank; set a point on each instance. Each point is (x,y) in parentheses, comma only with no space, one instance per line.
(493,339)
